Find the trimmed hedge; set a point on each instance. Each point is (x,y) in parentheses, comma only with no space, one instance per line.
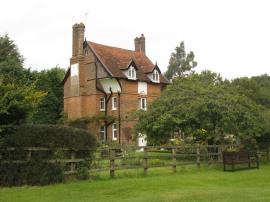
(39,170)
(51,136)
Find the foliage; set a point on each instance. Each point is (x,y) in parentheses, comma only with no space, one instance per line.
(180,62)
(205,107)
(34,172)
(49,110)
(40,170)
(83,169)
(11,61)
(84,122)
(17,91)
(16,101)
(257,88)
(89,123)
(52,136)
(18,83)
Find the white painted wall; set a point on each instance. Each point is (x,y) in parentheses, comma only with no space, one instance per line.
(142,88)
(142,142)
(74,70)
(110,83)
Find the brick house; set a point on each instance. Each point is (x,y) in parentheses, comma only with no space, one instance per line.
(111,81)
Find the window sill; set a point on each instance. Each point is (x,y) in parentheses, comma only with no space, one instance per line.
(155,81)
(130,78)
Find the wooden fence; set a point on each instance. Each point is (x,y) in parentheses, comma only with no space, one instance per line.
(163,157)
(119,158)
(70,161)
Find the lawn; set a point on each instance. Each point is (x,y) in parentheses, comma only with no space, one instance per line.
(209,183)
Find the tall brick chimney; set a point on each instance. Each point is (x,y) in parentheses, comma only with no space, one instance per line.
(140,44)
(78,39)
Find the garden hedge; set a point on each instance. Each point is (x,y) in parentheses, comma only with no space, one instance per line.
(40,170)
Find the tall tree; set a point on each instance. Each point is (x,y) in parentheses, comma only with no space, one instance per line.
(17,93)
(11,61)
(49,110)
(180,62)
(205,107)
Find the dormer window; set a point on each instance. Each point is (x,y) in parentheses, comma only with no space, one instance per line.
(155,76)
(131,73)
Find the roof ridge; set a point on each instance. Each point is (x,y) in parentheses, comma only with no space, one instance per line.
(116,60)
(112,47)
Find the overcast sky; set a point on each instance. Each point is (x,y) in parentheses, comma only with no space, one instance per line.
(230,37)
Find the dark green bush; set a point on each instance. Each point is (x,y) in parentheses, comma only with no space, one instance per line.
(40,170)
(51,136)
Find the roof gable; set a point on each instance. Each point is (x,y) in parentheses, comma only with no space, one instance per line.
(117,59)
(155,68)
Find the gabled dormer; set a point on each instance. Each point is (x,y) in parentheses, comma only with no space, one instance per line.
(154,75)
(131,70)
(121,63)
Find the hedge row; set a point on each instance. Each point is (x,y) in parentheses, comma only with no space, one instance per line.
(39,170)
(51,136)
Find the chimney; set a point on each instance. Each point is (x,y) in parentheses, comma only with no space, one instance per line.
(77,39)
(140,44)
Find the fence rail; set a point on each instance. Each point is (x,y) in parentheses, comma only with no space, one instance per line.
(174,157)
(118,158)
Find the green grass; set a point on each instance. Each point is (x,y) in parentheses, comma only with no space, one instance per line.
(188,184)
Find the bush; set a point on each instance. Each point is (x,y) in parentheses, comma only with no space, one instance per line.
(51,136)
(40,170)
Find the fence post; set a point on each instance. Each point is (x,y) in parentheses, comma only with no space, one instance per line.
(112,159)
(145,168)
(174,159)
(198,156)
(72,165)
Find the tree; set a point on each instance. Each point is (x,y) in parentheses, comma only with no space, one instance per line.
(202,106)
(180,62)
(256,88)
(50,108)
(11,61)
(17,94)
(16,102)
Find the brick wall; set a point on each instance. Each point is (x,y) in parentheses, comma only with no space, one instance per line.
(87,102)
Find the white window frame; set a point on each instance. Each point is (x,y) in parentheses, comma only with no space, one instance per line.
(155,76)
(114,103)
(114,131)
(102,103)
(102,133)
(131,73)
(142,103)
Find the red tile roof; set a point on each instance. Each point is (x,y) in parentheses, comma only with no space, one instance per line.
(117,59)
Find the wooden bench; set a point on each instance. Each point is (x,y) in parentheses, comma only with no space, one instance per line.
(240,157)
